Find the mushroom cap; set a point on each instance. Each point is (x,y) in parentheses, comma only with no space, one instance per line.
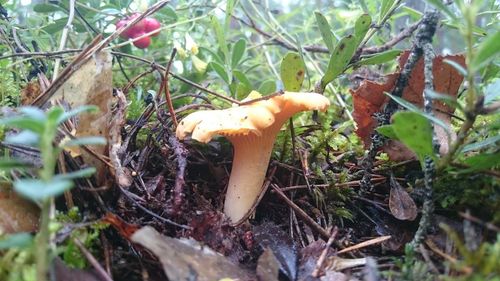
(251,118)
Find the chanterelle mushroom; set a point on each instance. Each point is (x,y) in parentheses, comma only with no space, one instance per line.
(252,130)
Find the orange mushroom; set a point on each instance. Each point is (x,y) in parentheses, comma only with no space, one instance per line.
(252,130)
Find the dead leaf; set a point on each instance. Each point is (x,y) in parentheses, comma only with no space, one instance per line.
(91,84)
(124,228)
(369,98)
(16,213)
(401,204)
(269,235)
(187,260)
(30,92)
(268,266)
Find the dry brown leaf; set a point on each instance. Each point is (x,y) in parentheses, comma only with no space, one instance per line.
(187,259)
(401,204)
(34,88)
(369,98)
(16,213)
(91,84)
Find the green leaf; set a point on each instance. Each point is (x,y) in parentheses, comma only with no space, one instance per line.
(325,30)
(481,144)
(242,91)
(54,114)
(26,137)
(361,27)
(220,36)
(292,72)
(238,52)
(267,87)
(230,4)
(406,104)
(56,26)
(169,13)
(219,69)
(447,99)
(414,14)
(492,92)
(388,131)
(457,66)
(215,56)
(380,58)
(487,51)
(483,161)
(340,59)
(46,8)
(85,141)
(415,131)
(385,8)
(76,111)
(33,112)
(24,123)
(39,190)
(17,240)
(443,8)
(83,173)
(242,78)
(111,11)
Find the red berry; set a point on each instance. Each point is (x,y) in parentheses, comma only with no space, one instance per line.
(140,26)
(121,23)
(151,24)
(143,42)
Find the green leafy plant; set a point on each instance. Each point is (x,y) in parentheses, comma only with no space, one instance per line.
(39,129)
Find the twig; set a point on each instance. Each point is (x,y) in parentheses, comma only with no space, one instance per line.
(307,219)
(424,35)
(129,196)
(424,42)
(405,33)
(365,244)
(321,260)
(64,37)
(131,82)
(178,193)
(191,83)
(100,271)
(41,54)
(165,86)
(488,225)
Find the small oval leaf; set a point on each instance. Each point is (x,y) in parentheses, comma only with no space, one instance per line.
(340,59)
(292,71)
(325,30)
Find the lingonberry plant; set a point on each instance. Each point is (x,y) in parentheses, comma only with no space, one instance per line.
(39,130)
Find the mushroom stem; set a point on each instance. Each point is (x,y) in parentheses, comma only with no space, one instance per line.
(250,161)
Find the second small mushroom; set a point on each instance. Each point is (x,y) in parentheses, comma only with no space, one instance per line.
(252,129)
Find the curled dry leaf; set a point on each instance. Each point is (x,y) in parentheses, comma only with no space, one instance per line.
(369,98)
(187,259)
(401,204)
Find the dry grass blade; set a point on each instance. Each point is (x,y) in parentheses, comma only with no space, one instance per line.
(365,244)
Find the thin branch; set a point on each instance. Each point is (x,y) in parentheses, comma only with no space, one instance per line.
(165,86)
(64,37)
